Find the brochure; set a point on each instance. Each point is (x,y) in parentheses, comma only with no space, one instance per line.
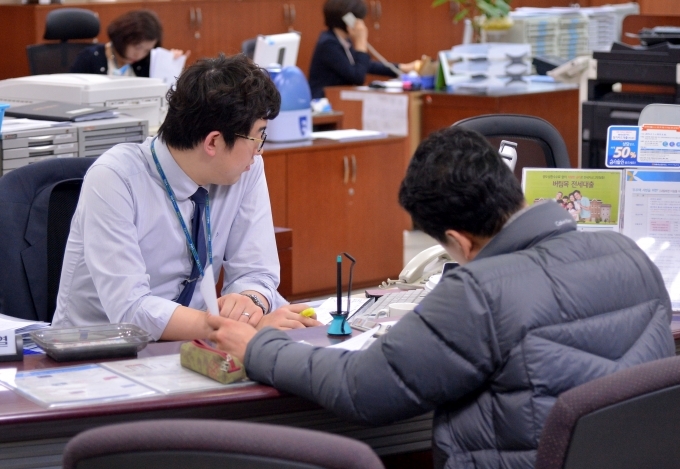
(592,197)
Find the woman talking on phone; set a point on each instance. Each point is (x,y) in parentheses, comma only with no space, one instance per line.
(128,52)
(341,53)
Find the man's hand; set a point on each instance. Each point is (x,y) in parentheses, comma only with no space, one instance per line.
(240,308)
(231,336)
(288,317)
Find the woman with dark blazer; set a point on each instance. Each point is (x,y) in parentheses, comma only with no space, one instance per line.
(341,53)
(132,36)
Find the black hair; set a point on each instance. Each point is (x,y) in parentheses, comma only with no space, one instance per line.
(227,94)
(134,27)
(456,180)
(334,10)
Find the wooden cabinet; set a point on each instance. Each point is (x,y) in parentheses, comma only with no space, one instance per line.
(343,197)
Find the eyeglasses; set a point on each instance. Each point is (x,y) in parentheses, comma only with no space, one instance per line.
(261,140)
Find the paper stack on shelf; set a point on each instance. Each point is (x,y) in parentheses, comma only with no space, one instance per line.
(540,32)
(572,36)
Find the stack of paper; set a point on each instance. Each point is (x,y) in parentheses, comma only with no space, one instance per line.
(22,327)
(349,135)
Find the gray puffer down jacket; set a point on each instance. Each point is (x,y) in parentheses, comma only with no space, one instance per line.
(541,309)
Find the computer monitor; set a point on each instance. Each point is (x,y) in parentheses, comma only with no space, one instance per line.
(280,49)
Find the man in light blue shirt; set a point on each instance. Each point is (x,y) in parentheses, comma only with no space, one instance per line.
(149,215)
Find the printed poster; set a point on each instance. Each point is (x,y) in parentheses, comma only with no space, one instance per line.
(592,197)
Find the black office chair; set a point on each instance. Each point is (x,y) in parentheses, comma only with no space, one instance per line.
(209,444)
(248,48)
(62,25)
(627,420)
(37,203)
(539,144)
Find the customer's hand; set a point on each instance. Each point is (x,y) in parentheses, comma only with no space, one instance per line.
(230,336)
(177,53)
(359,35)
(288,317)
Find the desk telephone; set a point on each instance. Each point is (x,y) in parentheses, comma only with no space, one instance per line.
(421,268)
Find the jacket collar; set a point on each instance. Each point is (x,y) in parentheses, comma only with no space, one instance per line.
(529,227)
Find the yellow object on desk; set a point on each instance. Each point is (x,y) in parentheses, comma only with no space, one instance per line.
(308,313)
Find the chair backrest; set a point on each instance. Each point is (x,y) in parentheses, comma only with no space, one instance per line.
(539,144)
(53,58)
(62,25)
(209,444)
(37,203)
(627,420)
(248,47)
(65,24)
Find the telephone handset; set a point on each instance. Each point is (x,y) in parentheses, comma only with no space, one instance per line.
(419,269)
(350,20)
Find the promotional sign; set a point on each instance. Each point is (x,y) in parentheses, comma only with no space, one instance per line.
(650,145)
(592,197)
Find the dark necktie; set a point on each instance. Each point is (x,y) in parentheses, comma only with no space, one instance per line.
(198,236)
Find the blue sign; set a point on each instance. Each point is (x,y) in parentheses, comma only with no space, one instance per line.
(622,146)
(650,145)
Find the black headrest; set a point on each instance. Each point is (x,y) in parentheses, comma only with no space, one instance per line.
(71,23)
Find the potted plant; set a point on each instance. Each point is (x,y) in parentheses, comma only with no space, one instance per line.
(486,15)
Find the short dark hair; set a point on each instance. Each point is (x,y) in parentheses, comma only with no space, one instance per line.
(334,10)
(134,27)
(227,94)
(456,180)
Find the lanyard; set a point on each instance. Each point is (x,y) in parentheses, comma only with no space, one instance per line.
(171,195)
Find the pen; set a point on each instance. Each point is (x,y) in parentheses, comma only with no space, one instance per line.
(339,284)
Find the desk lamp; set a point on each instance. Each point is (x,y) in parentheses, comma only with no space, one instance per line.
(339,325)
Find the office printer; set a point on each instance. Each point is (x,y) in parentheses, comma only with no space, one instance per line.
(141,98)
(655,64)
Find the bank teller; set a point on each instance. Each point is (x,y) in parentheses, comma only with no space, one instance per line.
(128,52)
(341,53)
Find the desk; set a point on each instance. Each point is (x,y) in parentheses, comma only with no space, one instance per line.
(558,104)
(32,436)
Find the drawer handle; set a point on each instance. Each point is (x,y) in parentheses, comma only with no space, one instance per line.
(345,178)
(354,168)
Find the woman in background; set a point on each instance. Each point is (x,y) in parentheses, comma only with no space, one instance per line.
(341,53)
(128,52)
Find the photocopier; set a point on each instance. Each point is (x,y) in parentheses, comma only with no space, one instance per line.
(138,97)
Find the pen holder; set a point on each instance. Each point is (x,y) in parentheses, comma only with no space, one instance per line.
(338,325)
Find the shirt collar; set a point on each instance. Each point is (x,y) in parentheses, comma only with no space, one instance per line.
(182,185)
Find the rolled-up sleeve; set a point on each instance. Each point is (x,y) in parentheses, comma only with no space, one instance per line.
(113,257)
(251,260)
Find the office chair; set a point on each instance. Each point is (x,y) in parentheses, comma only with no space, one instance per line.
(37,203)
(539,144)
(210,444)
(63,25)
(248,47)
(627,420)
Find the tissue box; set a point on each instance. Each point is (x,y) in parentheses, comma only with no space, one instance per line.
(200,357)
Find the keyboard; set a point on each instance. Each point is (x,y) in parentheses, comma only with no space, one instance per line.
(366,317)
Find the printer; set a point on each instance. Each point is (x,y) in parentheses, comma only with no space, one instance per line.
(656,64)
(137,97)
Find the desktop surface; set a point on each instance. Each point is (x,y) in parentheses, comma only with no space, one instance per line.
(31,433)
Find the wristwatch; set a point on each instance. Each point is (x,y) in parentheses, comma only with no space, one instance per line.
(257,301)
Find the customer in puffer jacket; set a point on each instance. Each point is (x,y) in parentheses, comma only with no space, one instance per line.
(535,309)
